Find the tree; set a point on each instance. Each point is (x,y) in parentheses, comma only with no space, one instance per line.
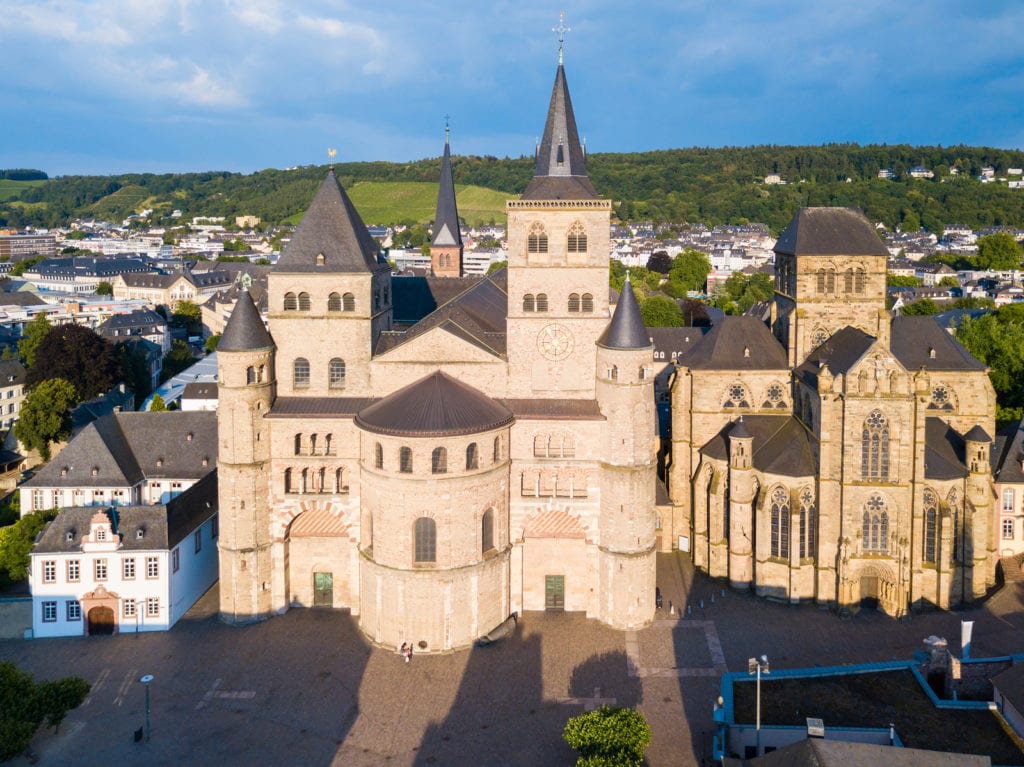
(24,704)
(689,272)
(695,313)
(76,354)
(659,262)
(922,307)
(608,737)
(76,234)
(211,343)
(186,315)
(54,699)
(23,265)
(741,292)
(46,415)
(31,337)
(104,288)
(902,281)
(496,266)
(661,312)
(999,252)
(156,405)
(16,543)
(177,359)
(949,281)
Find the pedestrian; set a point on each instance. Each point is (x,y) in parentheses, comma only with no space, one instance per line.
(405,651)
(408,653)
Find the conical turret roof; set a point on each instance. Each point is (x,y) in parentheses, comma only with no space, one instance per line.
(332,229)
(446,219)
(561,167)
(245,330)
(627,329)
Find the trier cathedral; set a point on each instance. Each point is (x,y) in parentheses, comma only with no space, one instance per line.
(435,470)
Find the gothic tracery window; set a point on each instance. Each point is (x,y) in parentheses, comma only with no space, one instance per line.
(736,396)
(808,524)
(931,520)
(577,240)
(780,523)
(875,447)
(537,239)
(875,533)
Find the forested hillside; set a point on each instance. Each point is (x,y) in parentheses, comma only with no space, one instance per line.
(711,186)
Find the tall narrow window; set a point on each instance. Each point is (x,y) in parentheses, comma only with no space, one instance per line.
(334,302)
(348,303)
(298,444)
(425,534)
(497,449)
(290,302)
(542,302)
(537,239)
(577,240)
(859,280)
(289,486)
(808,524)
(1008,500)
(439,461)
(529,303)
(848,281)
(378,456)
(472,457)
(405,460)
(931,518)
(780,523)
(336,373)
(487,531)
(574,302)
(250,375)
(304,303)
(957,520)
(875,534)
(875,447)
(300,377)
(587,303)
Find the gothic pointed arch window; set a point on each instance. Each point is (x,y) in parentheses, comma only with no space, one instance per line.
(300,373)
(336,373)
(537,239)
(425,535)
(304,302)
(487,531)
(780,523)
(875,532)
(736,396)
(529,303)
(808,524)
(439,461)
(348,303)
(334,302)
(587,303)
(472,457)
(931,526)
(574,302)
(291,303)
(577,239)
(542,302)
(875,447)
(956,518)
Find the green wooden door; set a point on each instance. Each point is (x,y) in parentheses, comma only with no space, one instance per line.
(554,592)
(323,589)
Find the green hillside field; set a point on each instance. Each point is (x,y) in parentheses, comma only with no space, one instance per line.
(392,201)
(11,189)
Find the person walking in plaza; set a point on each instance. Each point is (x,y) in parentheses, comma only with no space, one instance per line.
(405,651)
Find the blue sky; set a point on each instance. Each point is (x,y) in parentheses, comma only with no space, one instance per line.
(111,86)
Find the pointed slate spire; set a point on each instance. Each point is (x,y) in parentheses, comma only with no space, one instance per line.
(245,331)
(332,237)
(626,330)
(561,167)
(446,219)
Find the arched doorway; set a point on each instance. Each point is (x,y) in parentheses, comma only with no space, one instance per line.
(101,621)
(869,591)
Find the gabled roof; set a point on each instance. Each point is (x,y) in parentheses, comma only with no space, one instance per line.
(245,330)
(561,169)
(830,232)
(738,343)
(626,330)
(781,444)
(841,352)
(943,451)
(414,297)
(435,406)
(1008,454)
(333,229)
(916,339)
(446,219)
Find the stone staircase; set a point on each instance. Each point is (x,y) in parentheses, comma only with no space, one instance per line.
(1012,571)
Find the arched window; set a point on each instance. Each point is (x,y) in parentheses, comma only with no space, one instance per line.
(588,302)
(931,520)
(250,375)
(405,460)
(957,520)
(542,302)
(298,444)
(875,525)
(529,303)
(848,281)
(336,373)
(300,373)
(780,523)
(290,303)
(328,449)
(348,302)
(304,484)
(472,457)
(875,447)
(425,534)
(334,302)
(613,373)
(574,302)
(537,239)
(487,531)
(577,241)
(808,524)
(288,486)
(320,259)
(860,278)
(378,456)
(497,449)
(312,444)
(340,486)
(439,461)
(304,303)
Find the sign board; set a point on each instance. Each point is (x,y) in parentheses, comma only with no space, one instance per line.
(815,727)
(684,543)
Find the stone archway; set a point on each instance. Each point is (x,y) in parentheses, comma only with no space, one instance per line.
(874,585)
(101,621)
(101,609)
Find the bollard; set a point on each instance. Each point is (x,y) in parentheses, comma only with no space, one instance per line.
(671,608)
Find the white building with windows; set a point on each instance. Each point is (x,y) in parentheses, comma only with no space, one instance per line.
(1008,468)
(115,569)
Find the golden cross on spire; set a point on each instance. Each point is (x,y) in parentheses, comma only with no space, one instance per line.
(561,29)
(330,153)
(446,119)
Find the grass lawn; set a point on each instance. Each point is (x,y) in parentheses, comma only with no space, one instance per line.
(875,700)
(11,189)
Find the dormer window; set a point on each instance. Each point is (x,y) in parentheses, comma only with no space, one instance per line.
(159,462)
(140,534)
(64,471)
(101,534)
(206,461)
(69,536)
(188,437)
(320,259)
(931,352)
(95,470)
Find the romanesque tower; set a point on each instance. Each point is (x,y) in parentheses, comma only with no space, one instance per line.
(625,394)
(446,245)
(329,299)
(558,246)
(246,392)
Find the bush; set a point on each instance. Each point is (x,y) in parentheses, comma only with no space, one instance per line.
(609,737)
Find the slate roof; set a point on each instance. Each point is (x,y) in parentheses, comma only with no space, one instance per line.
(530,409)
(626,330)
(819,752)
(915,338)
(164,526)
(331,227)
(841,351)
(944,455)
(446,218)
(738,343)
(478,315)
(830,232)
(244,330)
(12,373)
(319,407)
(560,172)
(1008,453)
(434,406)
(138,321)
(200,390)
(675,341)
(782,445)
(125,448)
(414,298)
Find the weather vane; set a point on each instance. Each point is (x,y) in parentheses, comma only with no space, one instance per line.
(561,29)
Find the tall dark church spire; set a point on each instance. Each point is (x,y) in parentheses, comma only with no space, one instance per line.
(446,246)
(561,167)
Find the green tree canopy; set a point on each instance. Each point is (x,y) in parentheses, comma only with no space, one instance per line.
(997,339)
(16,543)
(661,312)
(999,251)
(949,281)
(31,337)
(921,307)
(689,271)
(177,359)
(104,288)
(76,354)
(496,266)
(740,292)
(659,262)
(609,737)
(46,415)
(186,315)
(211,343)
(902,281)
(24,704)
(156,405)
(23,265)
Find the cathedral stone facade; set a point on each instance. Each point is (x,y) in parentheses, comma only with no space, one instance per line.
(835,453)
(499,454)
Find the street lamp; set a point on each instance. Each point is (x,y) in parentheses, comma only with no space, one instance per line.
(145,681)
(757,666)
